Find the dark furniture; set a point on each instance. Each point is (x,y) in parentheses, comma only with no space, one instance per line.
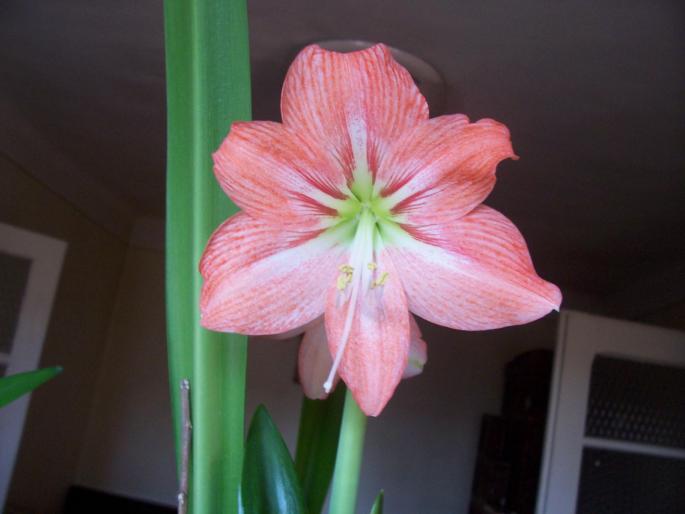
(81,500)
(510,446)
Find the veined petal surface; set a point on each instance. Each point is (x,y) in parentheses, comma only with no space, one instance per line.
(443,168)
(260,279)
(277,175)
(298,331)
(353,104)
(477,275)
(376,353)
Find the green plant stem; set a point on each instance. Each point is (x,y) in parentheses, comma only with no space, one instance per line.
(208,87)
(349,458)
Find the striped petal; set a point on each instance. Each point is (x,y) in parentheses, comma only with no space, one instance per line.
(479,277)
(298,331)
(278,176)
(314,361)
(376,353)
(353,104)
(259,279)
(443,169)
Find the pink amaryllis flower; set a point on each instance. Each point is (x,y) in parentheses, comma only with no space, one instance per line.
(360,208)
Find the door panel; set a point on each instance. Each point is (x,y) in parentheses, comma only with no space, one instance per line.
(618,397)
(31,265)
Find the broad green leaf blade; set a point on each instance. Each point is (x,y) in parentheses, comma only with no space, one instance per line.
(317,445)
(14,386)
(269,484)
(378,504)
(208,87)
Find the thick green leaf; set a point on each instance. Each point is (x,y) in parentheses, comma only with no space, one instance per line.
(378,504)
(269,484)
(317,445)
(14,386)
(208,87)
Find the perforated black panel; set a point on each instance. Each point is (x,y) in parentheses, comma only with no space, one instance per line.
(636,402)
(625,483)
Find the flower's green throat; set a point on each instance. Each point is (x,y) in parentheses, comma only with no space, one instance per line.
(364,208)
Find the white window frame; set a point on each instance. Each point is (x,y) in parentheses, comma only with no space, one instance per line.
(47,256)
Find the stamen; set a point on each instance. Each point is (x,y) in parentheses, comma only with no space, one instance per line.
(347,328)
(362,251)
(343,280)
(372,266)
(384,277)
(345,276)
(380,281)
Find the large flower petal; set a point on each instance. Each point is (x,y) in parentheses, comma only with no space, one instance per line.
(261,280)
(276,175)
(354,104)
(479,277)
(376,353)
(297,331)
(443,168)
(314,361)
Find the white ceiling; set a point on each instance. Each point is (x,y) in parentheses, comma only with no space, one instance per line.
(593,92)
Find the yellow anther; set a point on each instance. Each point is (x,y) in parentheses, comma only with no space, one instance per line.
(345,276)
(342,282)
(380,281)
(372,266)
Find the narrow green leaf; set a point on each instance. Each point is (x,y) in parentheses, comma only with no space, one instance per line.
(317,445)
(14,386)
(269,484)
(208,87)
(378,504)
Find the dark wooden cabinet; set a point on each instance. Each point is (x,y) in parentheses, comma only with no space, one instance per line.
(510,445)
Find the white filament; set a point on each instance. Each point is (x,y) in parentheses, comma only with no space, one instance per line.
(360,256)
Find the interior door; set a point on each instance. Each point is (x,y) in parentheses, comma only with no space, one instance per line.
(30,265)
(615,439)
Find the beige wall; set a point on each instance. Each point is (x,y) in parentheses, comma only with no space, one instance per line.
(128,448)
(55,423)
